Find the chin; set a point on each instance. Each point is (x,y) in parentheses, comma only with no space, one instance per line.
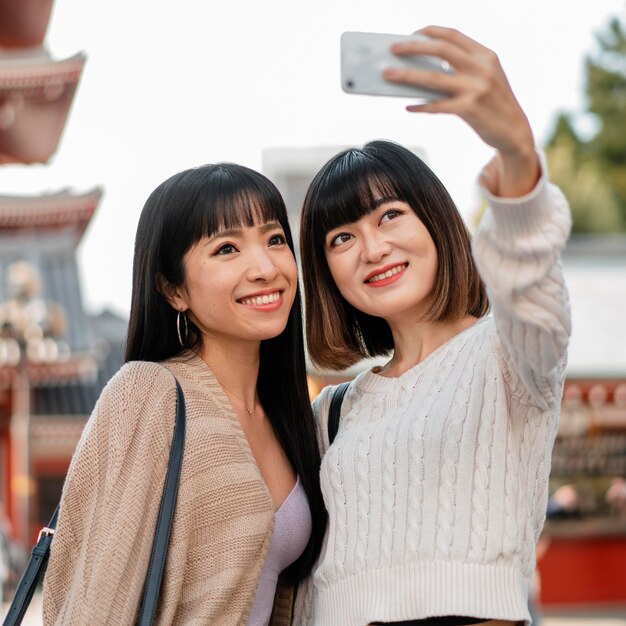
(270,333)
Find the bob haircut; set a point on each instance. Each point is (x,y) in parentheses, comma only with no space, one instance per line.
(187,207)
(342,192)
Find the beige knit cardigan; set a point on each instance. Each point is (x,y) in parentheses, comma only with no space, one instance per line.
(224,514)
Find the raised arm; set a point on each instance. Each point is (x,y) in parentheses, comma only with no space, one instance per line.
(517,250)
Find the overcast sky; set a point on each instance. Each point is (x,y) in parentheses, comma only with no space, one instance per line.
(173,85)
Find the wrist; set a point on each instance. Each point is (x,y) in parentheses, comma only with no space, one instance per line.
(519,171)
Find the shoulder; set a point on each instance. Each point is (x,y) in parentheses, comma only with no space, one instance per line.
(133,419)
(322,400)
(485,327)
(321,404)
(141,392)
(138,382)
(321,409)
(364,384)
(142,377)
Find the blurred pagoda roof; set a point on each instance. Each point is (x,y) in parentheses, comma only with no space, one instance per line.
(52,211)
(36,93)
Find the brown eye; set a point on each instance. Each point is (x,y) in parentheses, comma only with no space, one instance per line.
(390,215)
(339,239)
(227,248)
(277,240)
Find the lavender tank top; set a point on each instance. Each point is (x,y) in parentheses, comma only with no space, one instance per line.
(292,529)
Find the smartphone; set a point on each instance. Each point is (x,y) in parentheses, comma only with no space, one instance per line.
(364,56)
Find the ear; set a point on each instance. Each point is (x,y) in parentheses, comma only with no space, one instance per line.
(174,294)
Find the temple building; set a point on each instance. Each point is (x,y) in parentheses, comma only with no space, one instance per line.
(54,356)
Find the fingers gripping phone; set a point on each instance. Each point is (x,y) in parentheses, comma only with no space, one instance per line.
(364,56)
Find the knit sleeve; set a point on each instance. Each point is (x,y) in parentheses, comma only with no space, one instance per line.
(110,501)
(517,250)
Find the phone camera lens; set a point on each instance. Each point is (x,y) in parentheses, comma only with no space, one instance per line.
(349,84)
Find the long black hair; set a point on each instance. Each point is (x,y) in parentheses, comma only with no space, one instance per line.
(191,205)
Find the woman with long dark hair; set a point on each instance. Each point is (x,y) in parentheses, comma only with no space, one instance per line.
(215,302)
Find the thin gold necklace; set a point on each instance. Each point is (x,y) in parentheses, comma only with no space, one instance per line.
(243,402)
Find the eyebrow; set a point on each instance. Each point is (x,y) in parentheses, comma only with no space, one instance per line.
(233,232)
(384,200)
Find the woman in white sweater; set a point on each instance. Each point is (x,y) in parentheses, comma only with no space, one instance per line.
(436,484)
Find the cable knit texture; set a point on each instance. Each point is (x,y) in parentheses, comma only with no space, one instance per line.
(436,484)
(224,514)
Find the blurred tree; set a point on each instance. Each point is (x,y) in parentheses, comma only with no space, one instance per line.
(592,172)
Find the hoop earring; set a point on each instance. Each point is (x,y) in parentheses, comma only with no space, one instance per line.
(182,342)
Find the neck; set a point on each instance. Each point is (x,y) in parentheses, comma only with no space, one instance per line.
(235,364)
(414,341)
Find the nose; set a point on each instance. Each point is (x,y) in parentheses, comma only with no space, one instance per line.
(262,267)
(374,247)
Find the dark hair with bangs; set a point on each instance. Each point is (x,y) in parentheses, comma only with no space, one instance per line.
(182,210)
(342,192)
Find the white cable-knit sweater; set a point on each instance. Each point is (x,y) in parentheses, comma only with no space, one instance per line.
(436,484)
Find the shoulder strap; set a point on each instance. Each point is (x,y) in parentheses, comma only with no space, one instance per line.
(35,568)
(166,513)
(41,552)
(335,410)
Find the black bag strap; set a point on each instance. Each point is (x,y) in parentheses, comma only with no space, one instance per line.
(35,568)
(335,410)
(41,552)
(166,514)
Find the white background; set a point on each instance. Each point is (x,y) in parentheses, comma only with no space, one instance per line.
(172,85)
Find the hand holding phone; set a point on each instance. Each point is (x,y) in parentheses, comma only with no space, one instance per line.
(479,93)
(364,56)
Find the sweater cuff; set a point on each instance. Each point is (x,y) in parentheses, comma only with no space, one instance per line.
(525,215)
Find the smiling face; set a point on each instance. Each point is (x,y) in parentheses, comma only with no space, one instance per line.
(424,242)
(239,283)
(385,263)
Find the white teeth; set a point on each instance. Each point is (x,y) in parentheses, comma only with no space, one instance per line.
(387,274)
(260,300)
